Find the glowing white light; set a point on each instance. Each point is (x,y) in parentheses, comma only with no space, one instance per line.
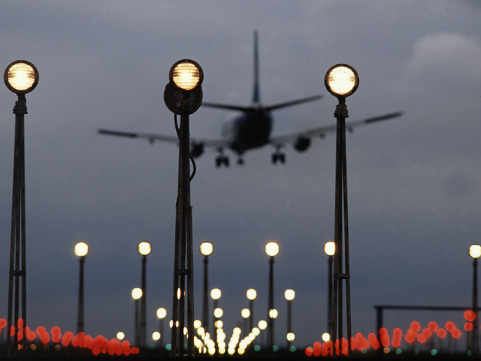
(289,294)
(251,294)
(341,80)
(161,313)
(144,248)
(81,249)
(137,293)
(272,248)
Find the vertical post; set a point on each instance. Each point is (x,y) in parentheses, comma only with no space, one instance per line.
(205,309)
(330,316)
(143,316)
(80,304)
(251,314)
(162,335)
(289,320)
(379,325)
(270,320)
(136,324)
(475,343)
(214,306)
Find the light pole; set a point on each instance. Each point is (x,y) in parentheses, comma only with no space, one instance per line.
(136,296)
(20,77)
(215,294)
(251,295)
(144,248)
(289,295)
(206,249)
(246,314)
(81,250)
(330,251)
(161,313)
(183,96)
(341,80)
(272,249)
(262,325)
(475,253)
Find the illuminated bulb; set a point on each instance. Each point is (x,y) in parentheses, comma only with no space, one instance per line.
(290,336)
(206,248)
(186,75)
(256,331)
(156,336)
(326,337)
(218,312)
(21,77)
(251,294)
(171,323)
(341,80)
(178,293)
(262,324)
(161,313)
(136,293)
(475,250)
(289,294)
(330,248)
(120,335)
(245,313)
(215,293)
(272,248)
(144,248)
(81,249)
(219,324)
(197,324)
(273,313)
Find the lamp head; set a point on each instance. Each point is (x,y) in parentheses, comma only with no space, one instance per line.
(475,251)
(215,294)
(272,248)
(120,335)
(330,248)
(218,312)
(262,324)
(136,293)
(289,294)
(273,313)
(21,77)
(81,249)
(290,336)
(251,294)
(144,248)
(341,80)
(206,248)
(161,313)
(326,337)
(186,74)
(156,336)
(245,313)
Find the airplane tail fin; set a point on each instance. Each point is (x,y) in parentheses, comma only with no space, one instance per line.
(256,94)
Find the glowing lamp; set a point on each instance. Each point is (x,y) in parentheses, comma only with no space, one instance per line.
(475,251)
(330,248)
(136,293)
(251,294)
(21,77)
(156,336)
(289,294)
(272,248)
(206,248)
(120,335)
(290,336)
(262,324)
(197,324)
(469,315)
(341,80)
(161,313)
(81,249)
(326,337)
(218,312)
(144,248)
(245,313)
(273,313)
(215,294)
(186,74)
(218,324)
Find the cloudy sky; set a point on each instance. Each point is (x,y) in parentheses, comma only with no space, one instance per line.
(414,182)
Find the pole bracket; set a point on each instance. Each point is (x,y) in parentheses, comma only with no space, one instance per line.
(341,111)
(342,276)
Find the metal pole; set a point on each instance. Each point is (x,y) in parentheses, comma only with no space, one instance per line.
(214,306)
(475,343)
(330,316)
(205,308)
(251,314)
(271,302)
(289,320)
(143,315)
(80,304)
(136,323)
(161,330)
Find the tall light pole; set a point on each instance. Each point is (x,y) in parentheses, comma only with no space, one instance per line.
(475,253)
(251,295)
(341,80)
(20,77)
(161,313)
(183,96)
(330,251)
(289,295)
(272,249)
(144,248)
(81,250)
(136,296)
(206,249)
(245,314)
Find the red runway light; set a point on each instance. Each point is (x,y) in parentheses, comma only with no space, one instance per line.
(384,337)
(441,332)
(433,326)
(373,341)
(468,326)
(415,326)
(469,315)
(397,335)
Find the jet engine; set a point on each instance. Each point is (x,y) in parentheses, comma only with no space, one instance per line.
(302,144)
(196,150)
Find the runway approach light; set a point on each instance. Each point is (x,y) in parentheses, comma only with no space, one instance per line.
(475,250)
(341,80)
(161,313)
(272,248)
(206,248)
(144,248)
(137,293)
(215,293)
(186,74)
(251,294)
(21,77)
(81,249)
(289,294)
(330,248)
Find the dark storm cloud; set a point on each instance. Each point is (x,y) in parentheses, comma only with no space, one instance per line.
(414,194)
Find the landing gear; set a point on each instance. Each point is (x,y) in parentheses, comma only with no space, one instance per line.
(221,159)
(278,156)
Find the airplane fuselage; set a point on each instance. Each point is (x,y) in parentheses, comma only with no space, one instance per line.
(251,130)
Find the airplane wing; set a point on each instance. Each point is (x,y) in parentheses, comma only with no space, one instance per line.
(322,131)
(292,102)
(151,137)
(239,108)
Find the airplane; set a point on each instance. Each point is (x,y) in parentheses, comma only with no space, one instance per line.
(252,129)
